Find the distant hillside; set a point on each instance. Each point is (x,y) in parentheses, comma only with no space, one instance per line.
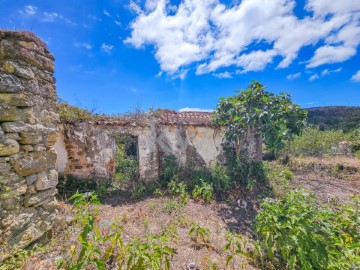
(335,117)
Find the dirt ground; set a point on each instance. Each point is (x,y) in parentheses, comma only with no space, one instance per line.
(153,215)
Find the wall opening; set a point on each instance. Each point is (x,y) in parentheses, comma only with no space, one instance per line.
(126,159)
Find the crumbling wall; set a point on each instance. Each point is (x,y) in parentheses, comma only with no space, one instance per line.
(90,149)
(87,148)
(28,122)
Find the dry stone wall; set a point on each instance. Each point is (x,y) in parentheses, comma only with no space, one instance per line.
(28,122)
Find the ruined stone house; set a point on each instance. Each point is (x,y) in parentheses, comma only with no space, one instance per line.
(35,145)
(87,148)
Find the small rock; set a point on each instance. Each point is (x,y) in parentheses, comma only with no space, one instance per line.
(8,147)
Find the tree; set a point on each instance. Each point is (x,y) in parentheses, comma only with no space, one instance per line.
(255,116)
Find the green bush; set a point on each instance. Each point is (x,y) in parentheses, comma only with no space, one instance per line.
(203,190)
(296,233)
(70,184)
(279,178)
(314,142)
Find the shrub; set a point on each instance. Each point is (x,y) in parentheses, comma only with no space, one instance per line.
(296,233)
(314,142)
(203,190)
(70,184)
(278,177)
(199,234)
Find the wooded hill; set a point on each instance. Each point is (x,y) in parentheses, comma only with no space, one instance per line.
(346,118)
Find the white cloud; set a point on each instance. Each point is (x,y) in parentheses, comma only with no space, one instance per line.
(293,76)
(188,109)
(223,75)
(117,22)
(107,48)
(330,54)
(325,72)
(84,45)
(214,35)
(356,77)
(314,77)
(50,17)
(29,10)
(106,13)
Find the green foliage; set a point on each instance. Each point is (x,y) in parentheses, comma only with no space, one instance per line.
(178,190)
(199,234)
(242,170)
(98,248)
(335,118)
(170,169)
(314,142)
(220,179)
(279,178)
(150,253)
(235,245)
(126,160)
(203,190)
(70,184)
(276,118)
(296,233)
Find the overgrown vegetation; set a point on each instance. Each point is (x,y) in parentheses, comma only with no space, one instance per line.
(254,111)
(294,232)
(315,142)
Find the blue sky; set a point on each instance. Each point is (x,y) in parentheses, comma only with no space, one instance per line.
(115,55)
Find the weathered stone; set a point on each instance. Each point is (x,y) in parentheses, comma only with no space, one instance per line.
(26,148)
(10,113)
(14,191)
(31,190)
(31,179)
(12,204)
(34,232)
(20,71)
(8,178)
(39,148)
(23,127)
(8,147)
(1,131)
(29,163)
(51,205)
(46,180)
(4,167)
(30,138)
(51,139)
(38,197)
(12,135)
(10,84)
(20,100)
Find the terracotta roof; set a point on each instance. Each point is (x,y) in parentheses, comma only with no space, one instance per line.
(195,118)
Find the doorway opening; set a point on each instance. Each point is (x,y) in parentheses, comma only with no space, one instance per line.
(126,159)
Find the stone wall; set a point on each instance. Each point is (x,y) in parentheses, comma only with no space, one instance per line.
(28,122)
(87,148)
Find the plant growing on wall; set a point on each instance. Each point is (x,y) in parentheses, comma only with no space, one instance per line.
(275,118)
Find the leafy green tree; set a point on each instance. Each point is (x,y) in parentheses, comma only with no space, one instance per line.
(256,116)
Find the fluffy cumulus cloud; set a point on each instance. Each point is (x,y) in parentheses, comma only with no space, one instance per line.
(293,76)
(247,36)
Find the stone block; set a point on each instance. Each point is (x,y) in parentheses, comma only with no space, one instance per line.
(10,84)
(26,164)
(46,180)
(18,70)
(38,198)
(10,113)
(8,147)
(30,138)
(14,191)
(12,135)
(19,100)
(26,148)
